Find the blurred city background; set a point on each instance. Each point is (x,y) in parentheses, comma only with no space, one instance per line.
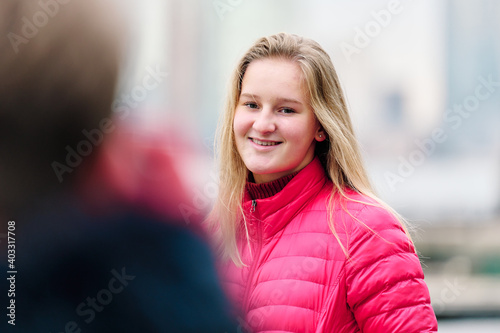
(423,82)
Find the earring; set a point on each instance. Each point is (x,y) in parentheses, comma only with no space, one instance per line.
(320,135)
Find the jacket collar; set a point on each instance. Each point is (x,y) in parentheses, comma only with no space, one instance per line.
(270,215)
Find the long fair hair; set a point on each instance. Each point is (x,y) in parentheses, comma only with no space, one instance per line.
(339,154)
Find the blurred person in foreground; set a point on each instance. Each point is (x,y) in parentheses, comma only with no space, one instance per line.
(87,258)
(308,246)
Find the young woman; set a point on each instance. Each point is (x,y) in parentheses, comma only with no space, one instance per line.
(307,245)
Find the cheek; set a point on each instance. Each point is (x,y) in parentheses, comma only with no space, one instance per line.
(311,128)
(241,124)
(299,132)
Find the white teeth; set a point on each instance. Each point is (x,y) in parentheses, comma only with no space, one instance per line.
(264,143)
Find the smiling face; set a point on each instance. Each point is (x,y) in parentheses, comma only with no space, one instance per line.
(274,126)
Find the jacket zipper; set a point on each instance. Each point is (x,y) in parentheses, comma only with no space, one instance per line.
(255,260)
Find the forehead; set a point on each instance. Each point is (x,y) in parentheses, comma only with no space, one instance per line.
(273,76)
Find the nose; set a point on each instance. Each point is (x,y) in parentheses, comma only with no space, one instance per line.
(264,122)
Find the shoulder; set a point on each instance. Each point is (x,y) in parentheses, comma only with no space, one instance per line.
(356,218)
(361,212)
(144,259)
(353,208)
(372,232)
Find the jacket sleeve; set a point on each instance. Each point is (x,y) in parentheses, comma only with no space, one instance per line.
(385,282)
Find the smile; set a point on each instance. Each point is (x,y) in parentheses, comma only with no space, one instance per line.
(265,143)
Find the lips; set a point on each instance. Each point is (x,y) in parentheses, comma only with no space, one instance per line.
(264,143)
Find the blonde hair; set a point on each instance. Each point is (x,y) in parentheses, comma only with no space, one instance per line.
(339,154)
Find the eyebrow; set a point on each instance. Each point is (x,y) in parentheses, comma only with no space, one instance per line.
(280,99)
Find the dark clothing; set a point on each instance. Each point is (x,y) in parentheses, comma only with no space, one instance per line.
(116,272)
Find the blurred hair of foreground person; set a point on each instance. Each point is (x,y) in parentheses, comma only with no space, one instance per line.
(79,253)
(306,244)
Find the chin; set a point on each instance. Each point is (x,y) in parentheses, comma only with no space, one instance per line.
(261,171)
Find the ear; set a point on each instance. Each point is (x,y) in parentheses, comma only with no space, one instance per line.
(320,135)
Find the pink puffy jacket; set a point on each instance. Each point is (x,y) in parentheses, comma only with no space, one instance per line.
(298,279)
